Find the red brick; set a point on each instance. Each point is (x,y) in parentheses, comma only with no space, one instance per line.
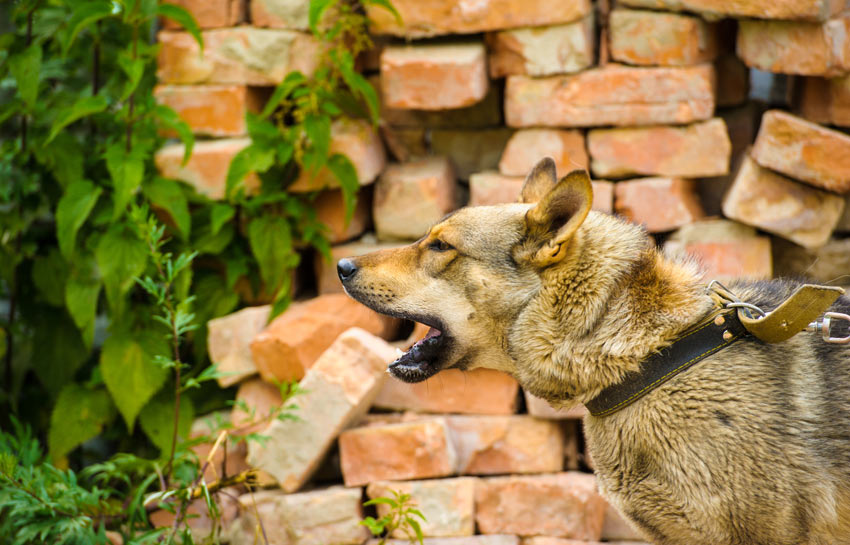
(470,150)
(660,204)
(479,391)
(338,390)
(733,80)
(804,150)
(487,113)
(767,200)
(560,505)
(540,408)
(542,51)
(330,210)
(206,169)
(616,527)
(327,278)
(412,450)
(241,55)
(495,445)
(229,342)
(293,341)
(796,47)
(764,9)
(613,95)
(435,17)
(209,13)
(825,101)
(651,38)
(410,197)
(724,249)
(358,140)
(292,14)
(448,504)
(434,77)
(696,150)
(488,188)
(260,399)
(211,110)
(603,196)
(526,147)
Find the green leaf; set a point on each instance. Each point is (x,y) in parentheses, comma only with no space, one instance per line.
(79,415)
(271,243)
(121,257)
(157,420)
(360,85)
(318,129)
(25,68)
(84,15)
(130,372)
(73,209)
(168,195)
(206,242)
(82,107)
(49,274)
(247,160)
(126,171)
(282,91)
(135,69)
(64,156)
(58,349)
(183,18)
(81,294)
(169,118)
(282,298)
(346,173)
(317,8)
(413,523)
(219,215)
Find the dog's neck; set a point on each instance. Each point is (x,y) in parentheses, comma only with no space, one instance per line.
(613,301)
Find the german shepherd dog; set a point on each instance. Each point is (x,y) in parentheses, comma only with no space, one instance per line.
(751,446)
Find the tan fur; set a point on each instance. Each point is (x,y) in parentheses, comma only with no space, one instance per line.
(742,449)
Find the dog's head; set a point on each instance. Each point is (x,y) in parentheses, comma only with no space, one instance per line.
(472,273)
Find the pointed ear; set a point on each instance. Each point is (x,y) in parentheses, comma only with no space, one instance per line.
(552,223)
(540,180)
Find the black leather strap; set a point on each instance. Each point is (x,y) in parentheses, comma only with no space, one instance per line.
(703,340)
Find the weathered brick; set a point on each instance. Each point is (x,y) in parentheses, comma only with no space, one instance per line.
(493,445)
(392,452)
(603,196)
(241,55)
(410,197)
(432,18)
(795,47)
(293,341)
(209,13)
(559,505)
(357,140)
(206,169)
(804,151)
(330,210)
(486,188)
(479,391)
(660,204)
(318,517)
(773,203)
(212,110)
(825,100)
(465,540)
(434,77)
(487,113)
(292,14)
(447,504)
(470,150)
(764,9)
(616,528)
(613,95)
(338,389)
(542,51)
(327,278)
(260,399)
(828,263)
(527,146)
(405,144)
(229,342)
(699,149)
(733,80)
(540,408)
(651,38)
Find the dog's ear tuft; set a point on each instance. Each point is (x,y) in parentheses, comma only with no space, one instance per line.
(554,220)
(539,181)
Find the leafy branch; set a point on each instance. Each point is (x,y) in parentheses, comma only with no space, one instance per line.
(401,514)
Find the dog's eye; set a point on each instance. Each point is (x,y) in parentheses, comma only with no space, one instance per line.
(440,246)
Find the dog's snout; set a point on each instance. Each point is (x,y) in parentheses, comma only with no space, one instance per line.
(346,269)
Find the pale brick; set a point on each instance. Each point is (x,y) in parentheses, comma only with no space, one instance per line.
(733,80)
(540,408)
(792,210)
(293,341)
(804,151)
(327,278)
(241,55)
(434,77)
(229,342)
(487,188)
(330,210)
(209,13)
(825,100)
(829,263)
(410,197)
(435,17)
(479,391)
(561,505)
(699,149)
(338,390)
(484,114)
(764,9)
(318,517)
(256,400)
(526,147)
(293,14)
(493,445)
(212,110)
(447,504)
(206,170)
(616,527)
(651,38)
(470,150)
(466,540)
(603,196)
(660,204)
(794,47)
(358,140)
(392,452)
(542,51)
(613,95)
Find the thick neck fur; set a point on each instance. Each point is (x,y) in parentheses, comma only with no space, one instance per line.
(612,301)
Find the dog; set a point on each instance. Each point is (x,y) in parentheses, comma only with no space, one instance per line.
(750,446)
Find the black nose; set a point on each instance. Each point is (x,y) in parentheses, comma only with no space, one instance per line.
(346,269)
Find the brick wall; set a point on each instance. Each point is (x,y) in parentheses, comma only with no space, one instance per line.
(656,104)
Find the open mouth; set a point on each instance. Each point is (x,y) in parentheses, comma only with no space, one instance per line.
(420,361)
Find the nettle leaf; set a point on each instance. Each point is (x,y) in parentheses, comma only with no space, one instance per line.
(81,293)
(84,15)
(79,415)
(271,243)
(134,69)
(58,349)
(182,17)
(25,68)
(249,159)
(71,212)
(126,171)
(167,195)
(282,91)
(169,118)
(82,107)
(49,274)
(64,156)
(121,257)
(317,9)
(157,420)
(130,372)
(318,129)
(344,170)
(219,215)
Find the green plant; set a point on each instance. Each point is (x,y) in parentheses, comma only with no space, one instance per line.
(401,515)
